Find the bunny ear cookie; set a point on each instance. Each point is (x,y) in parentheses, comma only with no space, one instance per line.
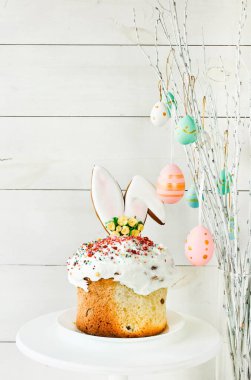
(106,195)
(110,205)
(141,199)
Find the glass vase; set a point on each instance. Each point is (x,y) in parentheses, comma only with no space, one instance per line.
(234,361)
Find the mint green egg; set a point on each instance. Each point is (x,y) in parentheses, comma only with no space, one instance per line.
(186,131)
(224,182)
(192,198)
(170,103)
(231,228)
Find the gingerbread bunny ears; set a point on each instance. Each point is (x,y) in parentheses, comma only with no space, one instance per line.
(140,198)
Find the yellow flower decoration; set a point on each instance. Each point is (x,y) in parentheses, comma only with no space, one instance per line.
(115,233)
(122,221)
(124,226)
(135,233)
(125,230)
(111,226)
(140,227)
(132,222)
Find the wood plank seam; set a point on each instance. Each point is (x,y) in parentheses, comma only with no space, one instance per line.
(83,190)
(117,45)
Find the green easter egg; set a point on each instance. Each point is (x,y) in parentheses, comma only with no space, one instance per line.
(224,182)
(192,198)
(231,228)
(170,103)
(186,131)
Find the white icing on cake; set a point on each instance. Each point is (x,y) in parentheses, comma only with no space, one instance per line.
(136,262)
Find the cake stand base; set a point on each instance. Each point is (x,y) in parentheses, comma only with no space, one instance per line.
(42,340)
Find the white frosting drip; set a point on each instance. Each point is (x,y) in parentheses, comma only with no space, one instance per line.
(137,263)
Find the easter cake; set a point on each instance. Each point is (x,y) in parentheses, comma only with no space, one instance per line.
(122,279)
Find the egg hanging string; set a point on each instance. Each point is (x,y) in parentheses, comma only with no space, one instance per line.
(169,65)
(160,90)
(225,167)
(203,112)
(201,189)
(161,84)
(173,117)
(191,87)
(203,132)
(188,91)
(225,148)
(225,159)
(185,94)
(170,104)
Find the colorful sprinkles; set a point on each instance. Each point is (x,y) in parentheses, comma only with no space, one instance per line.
(114,248)
(134,261)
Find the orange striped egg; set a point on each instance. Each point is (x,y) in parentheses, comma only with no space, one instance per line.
(171,184)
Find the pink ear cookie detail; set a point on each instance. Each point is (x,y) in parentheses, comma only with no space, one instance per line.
(141,199)
(108,201)
(106,195)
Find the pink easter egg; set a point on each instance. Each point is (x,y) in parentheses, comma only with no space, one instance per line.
(199,246)
(170,184)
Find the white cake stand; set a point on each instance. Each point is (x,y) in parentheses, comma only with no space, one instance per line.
(49,342)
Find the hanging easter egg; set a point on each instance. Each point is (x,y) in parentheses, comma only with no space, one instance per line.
(170,103)
(159,114)
(171,184)
(186,131)
(199,247)
(224,182)
(192,198)
(231,228)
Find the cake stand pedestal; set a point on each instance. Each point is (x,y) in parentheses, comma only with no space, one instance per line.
(196,343)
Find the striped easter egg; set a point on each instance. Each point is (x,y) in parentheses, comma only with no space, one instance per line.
(171,184)
(192,197)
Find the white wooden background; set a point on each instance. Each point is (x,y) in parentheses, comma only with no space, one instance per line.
(75,90)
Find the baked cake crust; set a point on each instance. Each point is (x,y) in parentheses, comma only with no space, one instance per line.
(111,309)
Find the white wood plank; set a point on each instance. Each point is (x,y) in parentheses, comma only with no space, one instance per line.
(59,153)
(30,291)
(111,22)
(14,365)
(95,80)
(46,227)
(33,291)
